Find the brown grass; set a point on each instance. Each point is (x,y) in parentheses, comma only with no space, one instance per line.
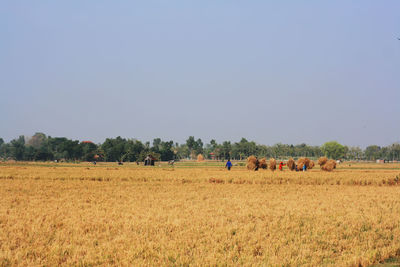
(305,161)
(301,162)
(329,165)
(200,158)
(263,163)
(322,161)
(311,164)
(85,215)
(252,163)
(291,164)
(272,164)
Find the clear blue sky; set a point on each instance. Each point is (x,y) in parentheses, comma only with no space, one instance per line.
(270,71)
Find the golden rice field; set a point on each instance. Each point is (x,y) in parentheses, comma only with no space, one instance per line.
(197,215)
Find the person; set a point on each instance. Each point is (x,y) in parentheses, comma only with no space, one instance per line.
(296,168)
(281,166)
(228,165)
(304,167)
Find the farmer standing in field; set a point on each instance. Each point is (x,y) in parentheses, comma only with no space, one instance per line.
(304,167)
(281,166)
(228,165)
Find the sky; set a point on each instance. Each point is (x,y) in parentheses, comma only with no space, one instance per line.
(271,71)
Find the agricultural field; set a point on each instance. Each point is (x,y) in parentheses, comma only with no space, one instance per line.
(197,214)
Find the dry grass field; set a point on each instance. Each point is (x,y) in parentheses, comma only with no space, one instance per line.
(199,215)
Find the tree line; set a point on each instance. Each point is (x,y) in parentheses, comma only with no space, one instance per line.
(40,147)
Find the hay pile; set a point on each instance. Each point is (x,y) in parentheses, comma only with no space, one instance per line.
(311,165)
(252,163)
(263,163)
(305,161)
(291,164)
(301,162)
(200,158)
(272,164)
(333,163)
(322,161)
(329,166)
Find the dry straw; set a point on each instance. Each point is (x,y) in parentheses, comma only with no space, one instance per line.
(305,161)
(272,164)
(329,166)
(322,161)
(301,162)
(263,163)
(291,164)
(200,158)
(311,165)
(252,163)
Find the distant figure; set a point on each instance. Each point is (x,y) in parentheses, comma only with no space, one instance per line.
(171,162)
(228,165)
(296,168)
(94,162)
(120,163)
(149,161)
(304,167)
(257,165)
(281,166)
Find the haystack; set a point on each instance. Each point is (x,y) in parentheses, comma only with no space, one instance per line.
(329,166)
(272,164)
(311,164)
(263,163)
(334,163)
(291,164)
(300,163)
(305,161)
(200,158)
(252,163)
(322,161)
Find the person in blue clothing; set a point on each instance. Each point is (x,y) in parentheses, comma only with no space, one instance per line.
(304,167)
(228,165)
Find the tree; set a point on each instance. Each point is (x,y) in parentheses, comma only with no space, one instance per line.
(2,149)
(213,144)
(37,140)
(182,151)
(166,152)
(199,146)
(114,149)
(191,143)
(63,148)
(157,145)
(394,151)
(89,149)
(333,150)
(134,148)
(226,149)
(18,148)
(354,153)
(372,152)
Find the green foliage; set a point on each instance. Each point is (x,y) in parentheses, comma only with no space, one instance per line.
(373,152)
(43,148)
(18,148)
(194,147)
(333,150)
